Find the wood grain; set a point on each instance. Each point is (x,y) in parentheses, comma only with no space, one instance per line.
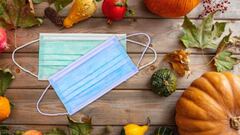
(139,81)
(142,12)
(132,101)
(97,130)
(115,108)
(165,33)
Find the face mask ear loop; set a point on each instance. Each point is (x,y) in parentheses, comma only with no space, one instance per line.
(19,48)
(39,101)
(147,46)
(152,49)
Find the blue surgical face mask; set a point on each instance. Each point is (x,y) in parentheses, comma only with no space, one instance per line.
(94,74)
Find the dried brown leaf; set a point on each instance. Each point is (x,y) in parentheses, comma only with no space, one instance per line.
(179,60)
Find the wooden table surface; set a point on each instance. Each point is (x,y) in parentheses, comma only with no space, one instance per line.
(132,101)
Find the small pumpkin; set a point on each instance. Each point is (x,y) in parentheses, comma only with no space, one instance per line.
(5,108)
(32,132)
(210,106)
(171,8)
(164,82)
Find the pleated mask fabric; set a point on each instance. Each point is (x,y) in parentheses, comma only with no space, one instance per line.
(56,51)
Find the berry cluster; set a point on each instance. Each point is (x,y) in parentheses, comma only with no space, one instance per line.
(211,6)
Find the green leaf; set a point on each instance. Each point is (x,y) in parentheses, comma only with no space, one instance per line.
(163,131)
(80,128)
(218,29)
(60,4)
(202,36)
(55,131)
(224,61)
(224,43)
(17,13)
(6,78)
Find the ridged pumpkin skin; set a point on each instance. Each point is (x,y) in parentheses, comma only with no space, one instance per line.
(171,8)
(210,106)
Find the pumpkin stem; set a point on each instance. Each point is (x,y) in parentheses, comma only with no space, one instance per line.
(235,122)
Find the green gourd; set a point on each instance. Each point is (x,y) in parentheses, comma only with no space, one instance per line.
(164,82)
(163,131)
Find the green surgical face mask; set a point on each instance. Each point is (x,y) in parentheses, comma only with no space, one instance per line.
(56,51)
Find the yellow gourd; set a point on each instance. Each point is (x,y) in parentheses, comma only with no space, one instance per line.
(81,10)
(133,129)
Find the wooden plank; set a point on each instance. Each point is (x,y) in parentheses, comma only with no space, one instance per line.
(115,108)
(97,130)
(165,33)
(139,81)
(142,12)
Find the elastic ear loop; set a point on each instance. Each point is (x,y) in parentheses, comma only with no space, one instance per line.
(31,73)
(19,48)
(147,46)
(39,101)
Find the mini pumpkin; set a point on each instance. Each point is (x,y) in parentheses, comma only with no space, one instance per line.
(171,8)
(210,106)
(164,82)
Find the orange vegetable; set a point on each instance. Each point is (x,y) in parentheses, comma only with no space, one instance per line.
(5,108)
(81,10)
(32,132)
(210,106)
(171,8)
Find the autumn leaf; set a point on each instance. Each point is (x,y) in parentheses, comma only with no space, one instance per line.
(224,60)
(179,61)
(204,35)
(17,13)
(6,78)
(80,128)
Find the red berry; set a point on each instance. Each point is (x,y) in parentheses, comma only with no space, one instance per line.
(214,6)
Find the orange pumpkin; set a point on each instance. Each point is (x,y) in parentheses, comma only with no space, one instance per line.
(210,106)
(32,132)
(171,8)
(5,108)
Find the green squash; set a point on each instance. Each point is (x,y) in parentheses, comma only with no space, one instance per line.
(164,82)
(163,131)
